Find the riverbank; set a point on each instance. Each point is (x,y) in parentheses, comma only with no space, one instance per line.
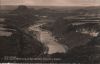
(46,37)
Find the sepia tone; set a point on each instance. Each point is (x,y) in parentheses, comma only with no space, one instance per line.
(52,2)
(50,31)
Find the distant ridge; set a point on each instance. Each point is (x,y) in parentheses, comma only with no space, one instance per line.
(12,7)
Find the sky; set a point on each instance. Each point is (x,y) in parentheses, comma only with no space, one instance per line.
(51,2)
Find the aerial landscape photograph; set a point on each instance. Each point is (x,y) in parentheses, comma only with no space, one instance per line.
(50,31)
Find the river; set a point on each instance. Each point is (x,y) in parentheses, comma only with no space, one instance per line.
(3,31)
(46,37)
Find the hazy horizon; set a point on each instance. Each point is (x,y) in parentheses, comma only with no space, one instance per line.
(12,7)
(51,2)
